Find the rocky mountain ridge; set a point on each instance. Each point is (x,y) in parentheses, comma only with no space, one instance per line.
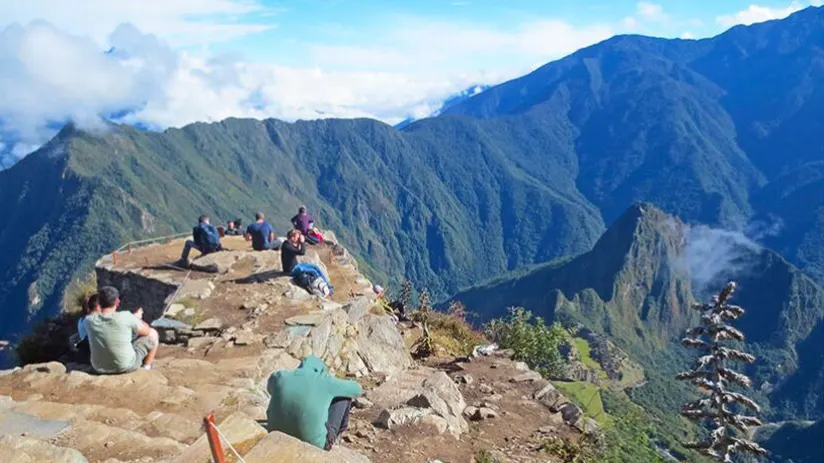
(224,333)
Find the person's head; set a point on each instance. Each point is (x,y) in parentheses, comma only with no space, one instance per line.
(302,210)
(293,235)
(378,289)
(109,297)
(203,219)
(259,216)
(230,224)
(91,304)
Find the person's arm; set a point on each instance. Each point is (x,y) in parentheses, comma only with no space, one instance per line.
(343,387)
(143,328)
(248,234)
(301,248)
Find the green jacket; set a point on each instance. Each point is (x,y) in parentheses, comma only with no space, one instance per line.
(300,400)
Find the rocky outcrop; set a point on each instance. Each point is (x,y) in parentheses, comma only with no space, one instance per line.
(412,395)
(226,330)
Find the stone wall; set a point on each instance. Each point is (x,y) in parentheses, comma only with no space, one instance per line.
(137,290)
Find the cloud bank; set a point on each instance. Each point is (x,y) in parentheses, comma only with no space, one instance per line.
(49,76)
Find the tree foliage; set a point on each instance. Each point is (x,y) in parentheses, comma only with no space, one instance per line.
(712,374)
(533,341)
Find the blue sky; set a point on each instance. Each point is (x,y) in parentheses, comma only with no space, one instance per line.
(181,61)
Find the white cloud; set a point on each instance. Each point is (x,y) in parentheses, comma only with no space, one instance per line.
(687,35)
(419,45)
(756,13)
(48,76)
(651,12)
(180,22)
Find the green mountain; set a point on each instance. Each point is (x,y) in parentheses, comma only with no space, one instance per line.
(636,284)
(709,130)
(418,204)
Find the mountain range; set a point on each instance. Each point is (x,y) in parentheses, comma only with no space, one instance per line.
(726,131)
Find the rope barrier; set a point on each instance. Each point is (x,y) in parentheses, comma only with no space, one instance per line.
(231,447)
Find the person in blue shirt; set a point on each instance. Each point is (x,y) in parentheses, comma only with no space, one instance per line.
(262,234)
(205,238)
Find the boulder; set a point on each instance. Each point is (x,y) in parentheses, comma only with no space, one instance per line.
(357,308)
(381,346)
(278,447)
(425,389)
(310,319)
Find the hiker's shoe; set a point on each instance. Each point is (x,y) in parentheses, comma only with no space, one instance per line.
(147,367)
(182,263)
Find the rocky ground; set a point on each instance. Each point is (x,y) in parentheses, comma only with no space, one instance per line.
(227,329)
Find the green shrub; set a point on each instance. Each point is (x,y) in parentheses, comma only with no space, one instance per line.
(533,341)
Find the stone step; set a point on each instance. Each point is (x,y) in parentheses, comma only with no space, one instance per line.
(277,447)
(241,431)
(99,442)
(16,449)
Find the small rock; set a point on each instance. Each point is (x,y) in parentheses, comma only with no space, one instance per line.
(244,338)
(485,389)
(195,343)
(483,413)
(470,411)
(212,324)
(465,379)
(50,368)
(494,398)
(521,366)
(362,403)
(174,310)
(189,313)
(526,377)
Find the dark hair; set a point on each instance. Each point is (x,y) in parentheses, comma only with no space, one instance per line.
(91,301)
(203,218)
(302,210)
(108,296)
(259,215)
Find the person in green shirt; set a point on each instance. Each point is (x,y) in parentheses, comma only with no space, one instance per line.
(120,342)
(309,403)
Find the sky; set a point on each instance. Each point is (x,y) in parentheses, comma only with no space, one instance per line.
(167,63)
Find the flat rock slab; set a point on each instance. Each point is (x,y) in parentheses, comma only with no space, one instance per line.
(281,448)
(16,424)
(310,319)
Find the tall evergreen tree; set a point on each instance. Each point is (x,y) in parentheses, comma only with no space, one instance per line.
(712,375)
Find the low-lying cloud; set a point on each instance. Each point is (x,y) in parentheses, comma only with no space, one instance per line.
(712,256)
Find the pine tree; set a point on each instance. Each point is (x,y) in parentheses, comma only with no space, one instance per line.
(712,375)
(424,303)
(406,295)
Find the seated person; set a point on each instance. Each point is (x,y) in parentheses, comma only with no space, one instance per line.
(206,239)
(309,403)
(232,228)
(119,341)
(80,343)
(294,246)
(262,234)
(303,221)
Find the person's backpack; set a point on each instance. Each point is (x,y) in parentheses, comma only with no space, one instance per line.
(314,237)
(304,280)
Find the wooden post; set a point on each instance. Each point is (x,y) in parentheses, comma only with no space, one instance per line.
(214,439)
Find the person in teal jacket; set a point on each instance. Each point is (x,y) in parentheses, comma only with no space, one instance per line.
(310,404)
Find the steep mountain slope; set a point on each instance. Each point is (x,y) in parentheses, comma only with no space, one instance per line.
(417,204)
(635,286)
(697,127)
